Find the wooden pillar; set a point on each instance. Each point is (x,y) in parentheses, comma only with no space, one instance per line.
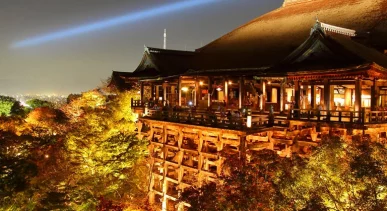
(262,100)
(332,99)
(197,92)
(226,91)
(164,94)
(296,94)
(347,97)
(173,96)
(153,92)
(179,90)
(157,92)
(358,83)
(282,96)
(209,92)
(312,96)
(374,96)
(327,95)
(241,91)
(321,96)
(142,92)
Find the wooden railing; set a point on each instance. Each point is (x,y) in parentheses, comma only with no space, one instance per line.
(212,119)
(359,117)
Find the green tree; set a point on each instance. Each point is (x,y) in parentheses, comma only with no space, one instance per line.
(37,103)
(6,104)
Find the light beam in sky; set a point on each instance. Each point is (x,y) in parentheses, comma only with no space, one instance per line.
(126,18)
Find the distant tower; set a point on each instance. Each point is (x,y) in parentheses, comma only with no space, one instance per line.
(165,39)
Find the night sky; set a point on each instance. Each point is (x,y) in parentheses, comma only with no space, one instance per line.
(81,62)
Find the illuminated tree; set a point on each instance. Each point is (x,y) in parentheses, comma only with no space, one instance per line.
(37,103)
(6,104)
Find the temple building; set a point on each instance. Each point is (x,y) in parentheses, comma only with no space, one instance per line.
(281,81)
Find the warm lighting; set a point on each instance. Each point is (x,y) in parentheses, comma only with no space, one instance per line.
(219,89)
(248,124)
(160,98)
(146,111)
(201,83)
(184,89)
(46,156)
(269,82)
(230,82)
(190,103)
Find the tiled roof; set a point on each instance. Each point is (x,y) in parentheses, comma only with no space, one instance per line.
(270,38)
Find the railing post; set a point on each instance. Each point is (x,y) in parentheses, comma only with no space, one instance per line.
(363,115)
(339,116)
(131,102)
(328,116)
(351,116)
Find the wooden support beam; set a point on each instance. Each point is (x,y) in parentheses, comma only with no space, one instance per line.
(282,96)
(197,92)
(209,92)
(153,92)
(241,91)
(226,91)
(327,95)
(297,94)
(313,96)
(164,94)
(374,96)
(142,91)
(358,83)
(179,90)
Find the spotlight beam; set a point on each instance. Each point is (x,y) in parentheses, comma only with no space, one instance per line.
(126,18)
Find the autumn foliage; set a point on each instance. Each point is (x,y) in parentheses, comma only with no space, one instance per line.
(83,156)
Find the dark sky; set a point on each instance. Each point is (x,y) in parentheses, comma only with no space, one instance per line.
(79,63)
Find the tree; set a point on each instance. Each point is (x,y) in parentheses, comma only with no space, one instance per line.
(6,104)
(37,103)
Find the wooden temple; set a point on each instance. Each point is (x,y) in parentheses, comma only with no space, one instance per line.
(250,90)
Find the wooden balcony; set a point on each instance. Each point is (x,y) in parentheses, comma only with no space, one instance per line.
(346,117)
(211,119)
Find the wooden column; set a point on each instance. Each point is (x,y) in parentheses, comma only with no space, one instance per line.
(226,91)
(312,96)
(296,94)
(164,94)
(142,91)
(262,100)
(209,92)
(173,96)
(332,99)
(179,90)
(374,96)
(197,92)
(327,95)
(241,91)
(153,92)
(358,83)
(157,92)
(347,97)
(282,96)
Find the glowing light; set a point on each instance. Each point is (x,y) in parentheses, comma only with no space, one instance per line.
(184,89)
(126,18)
(201,83)
(219,89)
(190,103)
(248,124)
(46,156)
(230,82)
